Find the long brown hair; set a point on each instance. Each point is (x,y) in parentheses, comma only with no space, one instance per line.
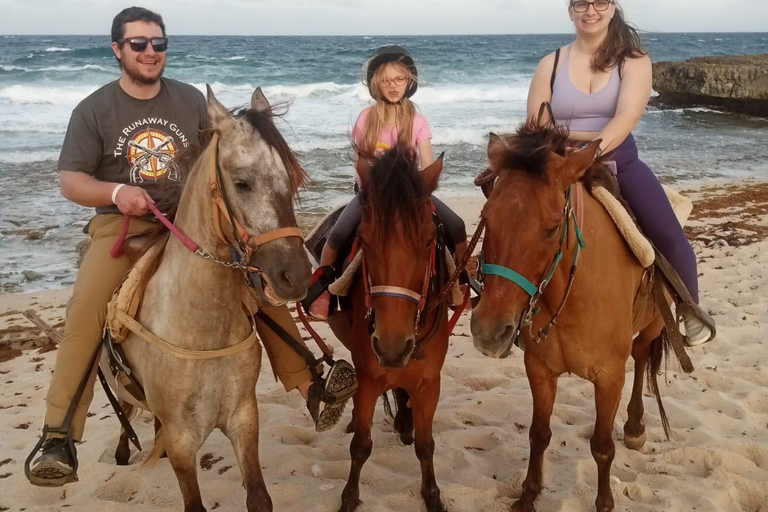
(623,42)
(404,113)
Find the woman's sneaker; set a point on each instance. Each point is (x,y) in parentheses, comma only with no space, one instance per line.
(319,309)
(329,396)
(696,331)
(56,465)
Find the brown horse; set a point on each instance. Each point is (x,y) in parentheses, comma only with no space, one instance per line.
(395,327)
(578,316)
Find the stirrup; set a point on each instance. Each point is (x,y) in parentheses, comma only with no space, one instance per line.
(332,393)
(52,482)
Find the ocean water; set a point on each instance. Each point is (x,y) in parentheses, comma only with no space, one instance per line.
(469,86)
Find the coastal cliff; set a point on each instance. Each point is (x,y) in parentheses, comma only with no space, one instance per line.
(732,83)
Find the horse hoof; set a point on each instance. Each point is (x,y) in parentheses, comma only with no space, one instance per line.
(407,438)
(349,506)
(634,443)
(523,505)
(350,427)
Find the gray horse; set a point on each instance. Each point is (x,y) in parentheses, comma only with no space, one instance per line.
(195,304)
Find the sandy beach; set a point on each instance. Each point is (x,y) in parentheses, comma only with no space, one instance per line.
(716,460)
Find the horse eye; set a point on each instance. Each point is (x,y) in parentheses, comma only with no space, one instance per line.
(241,185)
(552,232)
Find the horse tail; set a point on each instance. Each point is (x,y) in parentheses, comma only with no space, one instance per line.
(659,352)
(158,450)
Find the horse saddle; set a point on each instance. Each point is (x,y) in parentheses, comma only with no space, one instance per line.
(602,184)
(125,303)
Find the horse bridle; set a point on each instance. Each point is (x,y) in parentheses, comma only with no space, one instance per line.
(434,275)
(243,244)
(535,292)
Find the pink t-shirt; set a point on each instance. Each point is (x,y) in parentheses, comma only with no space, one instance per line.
(388,134)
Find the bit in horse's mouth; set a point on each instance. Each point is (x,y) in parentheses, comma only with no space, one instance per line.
(272,297)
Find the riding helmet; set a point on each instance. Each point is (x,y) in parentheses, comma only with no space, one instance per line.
(385,55)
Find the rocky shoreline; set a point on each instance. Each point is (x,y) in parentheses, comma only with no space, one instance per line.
(734,83)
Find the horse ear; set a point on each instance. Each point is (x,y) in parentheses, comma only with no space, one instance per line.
(494,143)
(259,102)
(430,176)
(363,167)
(216,111)
(579,162)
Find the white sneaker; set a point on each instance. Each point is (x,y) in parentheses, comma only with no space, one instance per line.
(696,331)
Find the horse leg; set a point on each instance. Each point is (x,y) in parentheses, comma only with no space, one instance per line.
(544,388)
(360,448)
(608,389)
(182,452)
(123,451)
(404,416)
(424,405)
(243,431)
(634,429)
(158,426)
(351,425)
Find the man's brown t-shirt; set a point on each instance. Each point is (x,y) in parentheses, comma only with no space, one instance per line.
(117,138)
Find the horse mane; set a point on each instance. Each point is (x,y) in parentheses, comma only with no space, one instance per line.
(529,148)
(394,193)
(263,123)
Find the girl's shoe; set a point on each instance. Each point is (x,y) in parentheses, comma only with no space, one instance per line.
(319,309)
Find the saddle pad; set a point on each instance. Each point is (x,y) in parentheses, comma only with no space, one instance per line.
(128,295)
(638,243)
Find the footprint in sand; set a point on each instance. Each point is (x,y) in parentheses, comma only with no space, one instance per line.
(121,489)
(484,383)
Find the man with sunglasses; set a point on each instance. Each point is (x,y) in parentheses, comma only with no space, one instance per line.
(117,156)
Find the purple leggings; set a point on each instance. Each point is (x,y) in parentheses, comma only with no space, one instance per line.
(644,194)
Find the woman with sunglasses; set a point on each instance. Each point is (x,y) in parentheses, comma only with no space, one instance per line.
(392,78)
(598,87)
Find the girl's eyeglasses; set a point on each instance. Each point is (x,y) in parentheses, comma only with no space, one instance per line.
(582,6)
(398,81)
(139,44)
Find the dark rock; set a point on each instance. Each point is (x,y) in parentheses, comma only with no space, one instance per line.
(31,275)
(733,83)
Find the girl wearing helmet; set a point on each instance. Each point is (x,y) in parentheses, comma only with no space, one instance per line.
(392,78)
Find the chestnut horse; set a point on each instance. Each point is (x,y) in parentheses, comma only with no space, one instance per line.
(395,326)
(578,316)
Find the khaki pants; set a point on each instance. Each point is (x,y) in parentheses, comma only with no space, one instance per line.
(99,276)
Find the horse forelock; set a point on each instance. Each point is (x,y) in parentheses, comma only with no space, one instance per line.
(529,149)
(394,197)
(263,123)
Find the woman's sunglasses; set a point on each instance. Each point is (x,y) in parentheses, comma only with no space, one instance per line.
(139,44)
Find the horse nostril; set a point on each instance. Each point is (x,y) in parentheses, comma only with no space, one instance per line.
(286,278)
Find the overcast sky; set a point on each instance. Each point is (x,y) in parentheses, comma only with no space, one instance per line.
(375,17)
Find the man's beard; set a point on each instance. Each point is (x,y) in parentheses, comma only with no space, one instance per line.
(132,71)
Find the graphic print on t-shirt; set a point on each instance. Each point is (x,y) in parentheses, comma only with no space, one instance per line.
(150,145)
(150,153)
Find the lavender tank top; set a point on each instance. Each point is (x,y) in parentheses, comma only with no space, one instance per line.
(579,111)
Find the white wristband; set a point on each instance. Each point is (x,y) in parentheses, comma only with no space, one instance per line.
(115,191)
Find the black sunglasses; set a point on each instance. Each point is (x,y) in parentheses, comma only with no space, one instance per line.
(139,44)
